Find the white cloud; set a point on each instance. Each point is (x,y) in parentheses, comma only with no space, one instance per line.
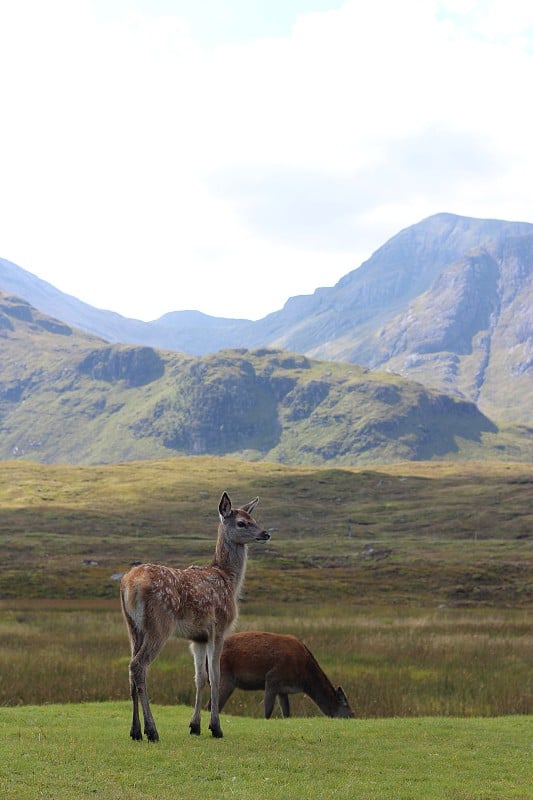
(142,170)
(493,20)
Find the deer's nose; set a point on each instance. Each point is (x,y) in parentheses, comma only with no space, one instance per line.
(264,536)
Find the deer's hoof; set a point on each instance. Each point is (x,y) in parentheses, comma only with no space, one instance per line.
(216,731)
(194,729)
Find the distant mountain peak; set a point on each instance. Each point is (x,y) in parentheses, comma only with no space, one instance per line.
(419,306)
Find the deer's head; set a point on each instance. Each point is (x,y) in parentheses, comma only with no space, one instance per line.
(239,525)
(344,709)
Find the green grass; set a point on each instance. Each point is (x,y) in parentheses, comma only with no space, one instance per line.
(84,751)
(411,585)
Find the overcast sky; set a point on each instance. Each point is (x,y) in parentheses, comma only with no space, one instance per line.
(224,155)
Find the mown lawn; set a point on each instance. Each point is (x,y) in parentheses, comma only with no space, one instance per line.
(84,751)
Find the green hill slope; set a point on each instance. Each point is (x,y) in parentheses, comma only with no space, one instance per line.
(68,397)
(415,532)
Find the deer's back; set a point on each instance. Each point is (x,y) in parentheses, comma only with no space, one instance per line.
(192,594)
(250,656)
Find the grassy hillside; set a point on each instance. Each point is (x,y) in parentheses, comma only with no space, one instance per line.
(68,398)
(84,751)
(414,532)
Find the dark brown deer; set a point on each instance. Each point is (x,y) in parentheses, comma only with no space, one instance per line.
(281,665)
(197,603)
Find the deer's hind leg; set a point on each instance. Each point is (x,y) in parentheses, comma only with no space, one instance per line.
(136,640)
(135,730)
(141,659)
(227,687)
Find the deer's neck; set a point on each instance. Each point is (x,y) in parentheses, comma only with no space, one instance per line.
(231,558)
(319,688)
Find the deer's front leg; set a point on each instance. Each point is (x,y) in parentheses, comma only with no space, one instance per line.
(213,656)
(198,650)
(284,705)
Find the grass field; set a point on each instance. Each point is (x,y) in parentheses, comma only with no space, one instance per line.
(84,751)
(412,585)
(415,533)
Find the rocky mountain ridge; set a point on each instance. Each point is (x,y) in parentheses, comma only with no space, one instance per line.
(446,301)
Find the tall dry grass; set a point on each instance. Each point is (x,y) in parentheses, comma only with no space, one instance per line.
(391,662)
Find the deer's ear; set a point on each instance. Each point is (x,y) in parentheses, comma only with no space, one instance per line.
(249,507)
(224,507)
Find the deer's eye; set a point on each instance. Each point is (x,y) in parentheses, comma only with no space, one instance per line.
(241,524)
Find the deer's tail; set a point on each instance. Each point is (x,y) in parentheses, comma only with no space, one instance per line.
(133,612)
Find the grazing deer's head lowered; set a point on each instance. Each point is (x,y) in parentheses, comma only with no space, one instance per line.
(197,603)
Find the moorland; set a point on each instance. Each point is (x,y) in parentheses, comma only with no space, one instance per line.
(411,583)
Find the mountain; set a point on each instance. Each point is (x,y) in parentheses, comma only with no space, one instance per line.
(185,331)
(66,396)
(446,301)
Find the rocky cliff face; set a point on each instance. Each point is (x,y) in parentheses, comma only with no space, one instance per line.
(471,333)
(447,302)
(137,366)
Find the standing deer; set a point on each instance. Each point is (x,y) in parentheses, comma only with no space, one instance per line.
(281,665)
(197,603)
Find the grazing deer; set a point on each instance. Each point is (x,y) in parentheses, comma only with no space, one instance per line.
(281,665)
(197,603)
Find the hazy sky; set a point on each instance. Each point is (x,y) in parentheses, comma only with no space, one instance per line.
(223,155)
